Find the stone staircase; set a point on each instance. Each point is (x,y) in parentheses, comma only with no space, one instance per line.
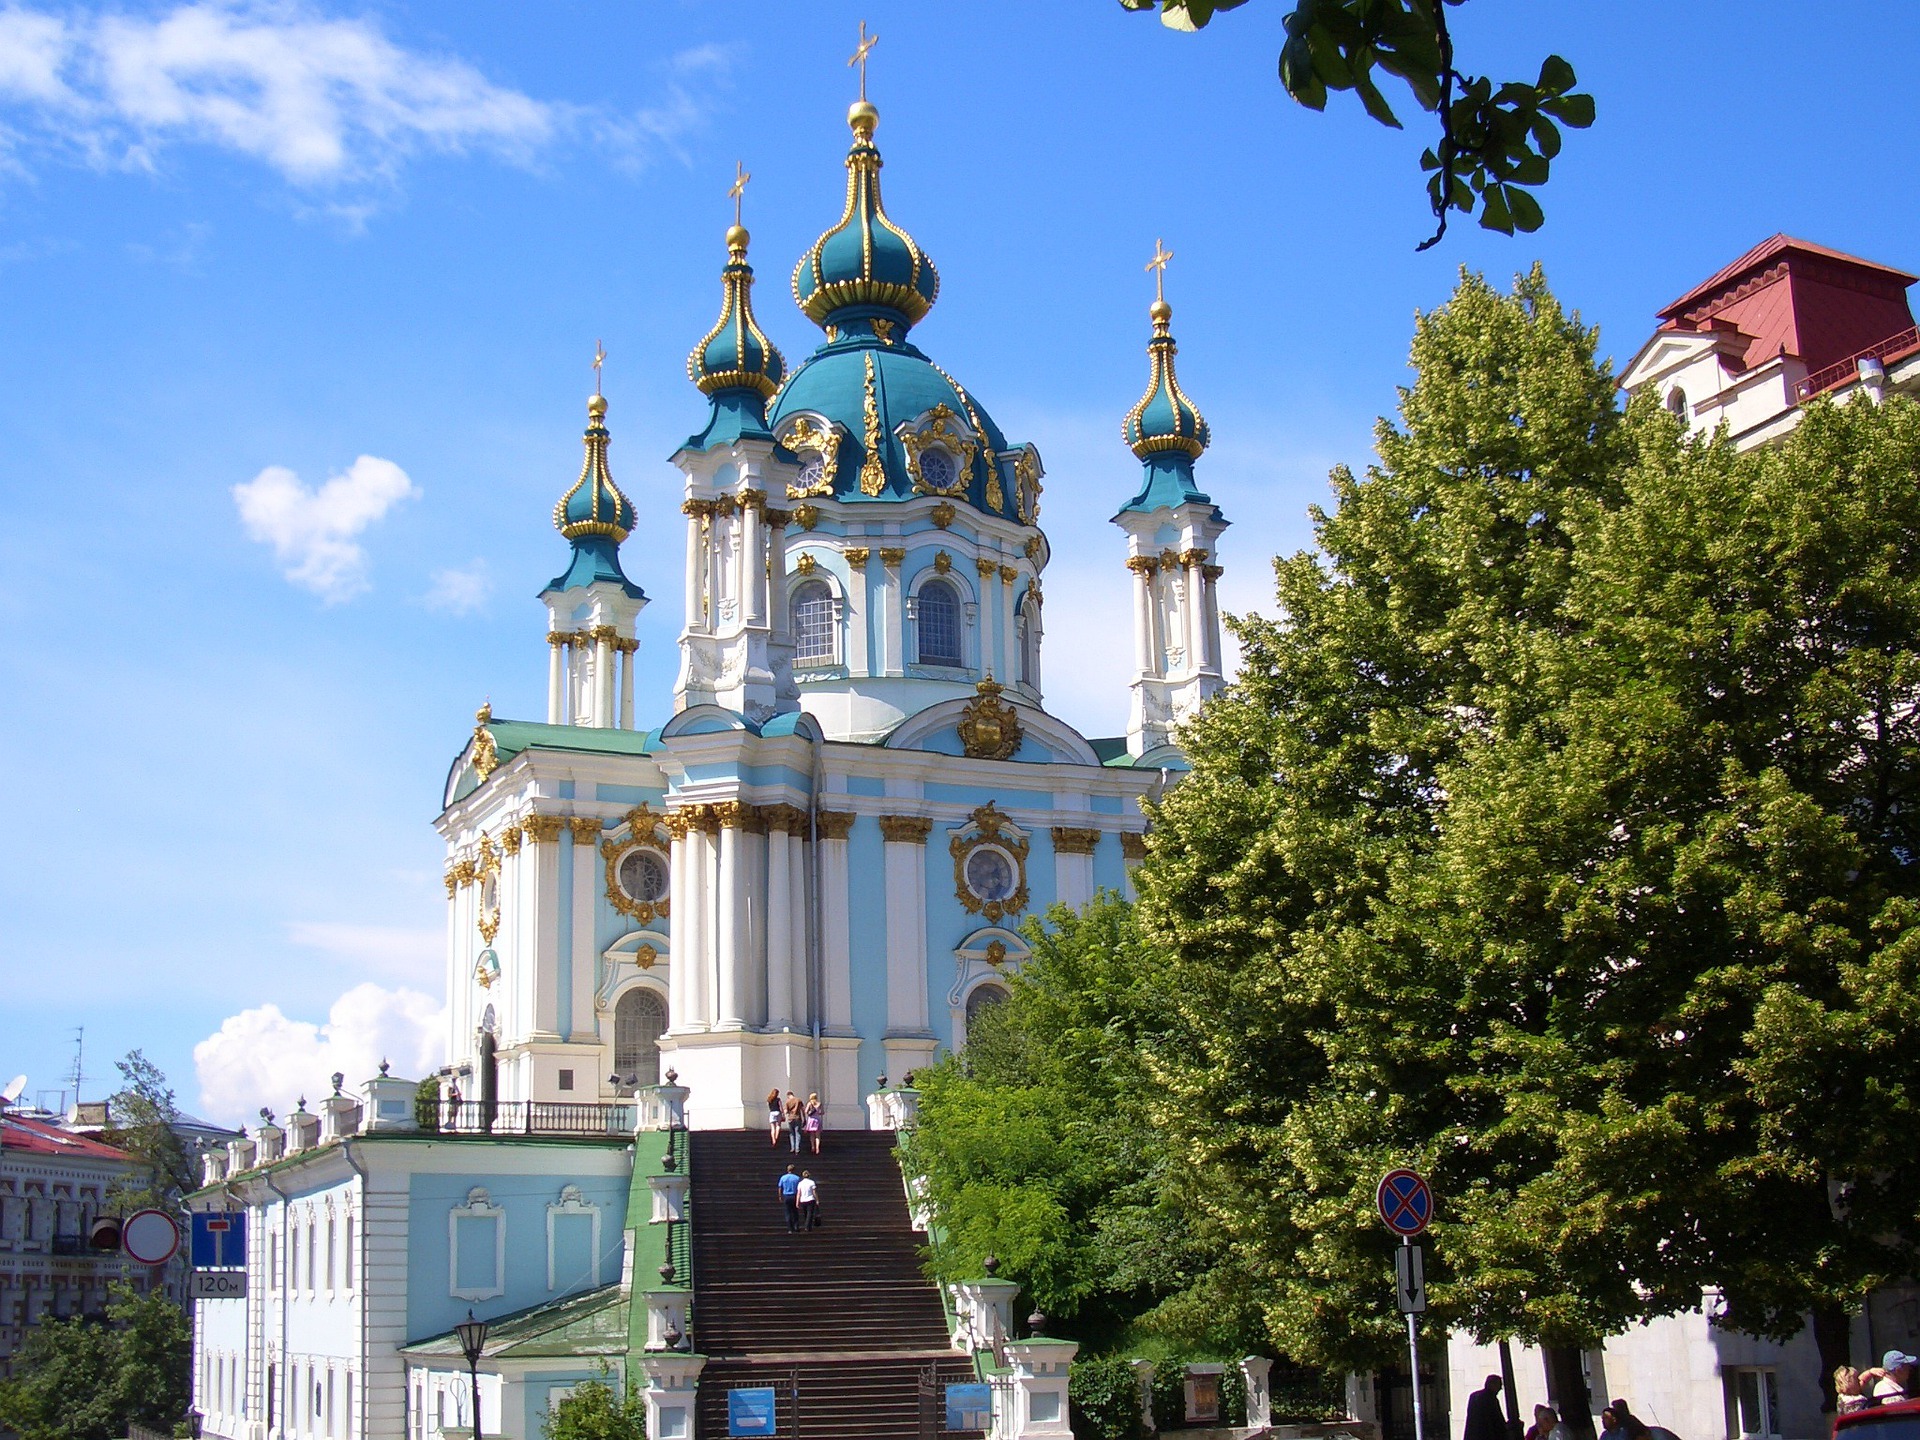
(840,1321)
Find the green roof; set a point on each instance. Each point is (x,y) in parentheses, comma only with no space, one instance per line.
(510,737)
(591,1324)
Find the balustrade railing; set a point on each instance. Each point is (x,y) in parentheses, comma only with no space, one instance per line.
(533,1117)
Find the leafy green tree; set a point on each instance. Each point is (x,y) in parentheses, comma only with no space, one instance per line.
(1496,141)
(597,1410)
(1038,1150)
(143,1116)
(426,1104)
(82,1379)
(1557,841)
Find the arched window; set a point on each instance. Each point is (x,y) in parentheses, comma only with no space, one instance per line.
(1029,639)
(639,1020)
(939,624)
(983,999)
(815,635)
(1677,402)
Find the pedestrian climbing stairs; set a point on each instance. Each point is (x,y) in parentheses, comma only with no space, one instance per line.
(839,1321)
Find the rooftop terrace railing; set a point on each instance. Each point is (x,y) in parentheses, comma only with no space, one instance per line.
(534,1117)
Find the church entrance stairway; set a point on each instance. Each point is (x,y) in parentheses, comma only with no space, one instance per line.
(839,1321)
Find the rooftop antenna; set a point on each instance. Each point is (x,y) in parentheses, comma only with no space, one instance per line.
(77,1074)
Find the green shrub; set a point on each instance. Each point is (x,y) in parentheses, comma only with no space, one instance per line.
(426,1104)
(1105,1399)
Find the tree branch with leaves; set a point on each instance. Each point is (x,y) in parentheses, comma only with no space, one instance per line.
(1497,141)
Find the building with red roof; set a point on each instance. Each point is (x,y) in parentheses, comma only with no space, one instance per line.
(1787,322)
(53,1185)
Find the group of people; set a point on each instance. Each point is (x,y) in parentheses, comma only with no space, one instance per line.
(800,1195)
(1486,1420)
(1890,1380)
(794,1119)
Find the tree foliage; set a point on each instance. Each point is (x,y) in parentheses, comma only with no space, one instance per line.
(82,1379)
(1556,840)
(599,1409)
(1497,140)
(1038,1148)
(142,1120)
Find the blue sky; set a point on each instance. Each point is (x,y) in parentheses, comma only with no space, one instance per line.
(240,238)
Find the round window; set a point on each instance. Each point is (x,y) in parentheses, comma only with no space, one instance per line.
(643,875)
(990,873)
(938,468)
(810,472)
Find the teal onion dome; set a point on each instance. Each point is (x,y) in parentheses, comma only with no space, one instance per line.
(865,267)
(1164,420)
(736,354)
(594,507)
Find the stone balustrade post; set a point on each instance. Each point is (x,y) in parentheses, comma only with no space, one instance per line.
(1040,1366)
(669,1197)
(672,1381)
(387,1103)
(1254,1373)
(1143,1377)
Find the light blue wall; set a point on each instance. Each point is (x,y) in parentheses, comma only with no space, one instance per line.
(867,931)
(431,1310)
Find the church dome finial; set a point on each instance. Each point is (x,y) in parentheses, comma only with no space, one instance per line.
(594,507)
(865,267)
(736,353)
(1164,420)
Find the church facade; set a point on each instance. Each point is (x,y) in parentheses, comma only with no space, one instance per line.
(808,866)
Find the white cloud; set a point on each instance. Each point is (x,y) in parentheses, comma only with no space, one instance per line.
(315,532)
(324,100)
(409,952)
(261,1057)
(460,590)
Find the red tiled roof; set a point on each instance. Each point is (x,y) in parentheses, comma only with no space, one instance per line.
(1792,296)
(37,1137)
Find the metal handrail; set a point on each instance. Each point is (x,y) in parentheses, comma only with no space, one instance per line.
(1842,370)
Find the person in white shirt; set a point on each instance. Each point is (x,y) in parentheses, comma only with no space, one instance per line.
(1895,1381)
(809,1201)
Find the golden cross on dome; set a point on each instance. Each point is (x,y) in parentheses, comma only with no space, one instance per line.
(738,188)
(1158,264)
(599,359)
(859,56)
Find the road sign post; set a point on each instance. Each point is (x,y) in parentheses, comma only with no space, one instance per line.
(1405,1202)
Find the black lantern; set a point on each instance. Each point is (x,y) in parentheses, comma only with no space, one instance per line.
(473,1339)
(194,1417)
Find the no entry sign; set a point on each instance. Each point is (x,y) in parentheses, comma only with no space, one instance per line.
(1405,1201)
(150,1236)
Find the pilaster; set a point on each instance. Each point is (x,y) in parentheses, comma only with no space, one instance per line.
(584,836)
(906,880)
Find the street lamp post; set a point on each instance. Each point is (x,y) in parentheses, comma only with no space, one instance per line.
(473,1339)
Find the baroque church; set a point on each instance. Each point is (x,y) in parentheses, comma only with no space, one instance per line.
(809,867)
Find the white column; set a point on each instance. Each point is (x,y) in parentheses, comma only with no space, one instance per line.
(731,1011)
(753,588)
(836,933)
(690,939)
(1009,674)
(891,600)
(681,905)
(906,877)
(556,683)
(859,607)
(544,975)
(1210,622)
(753,901)
(586,876)
(695,554)
(603,679)
(781,1012)
(1142,615)
(800,1003)
(777,575)
(626,688)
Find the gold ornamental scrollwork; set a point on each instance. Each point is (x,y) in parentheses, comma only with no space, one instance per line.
(940,430)
(806,516)
(943,514)
(486,754)
(586,830)
(873,475)
(986,565)
(893,557)
(486,875)
(905,829)
(1026,474)
(989,727)
(996,953)
(1000,889)
(543,829)
(857,556)
(942,563)
(1072,840)
(834,824)
(510,842)
(645,830)
(1133,845)
(805,437)
(645,956)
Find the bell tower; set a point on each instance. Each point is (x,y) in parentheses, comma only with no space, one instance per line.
(1172,528)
